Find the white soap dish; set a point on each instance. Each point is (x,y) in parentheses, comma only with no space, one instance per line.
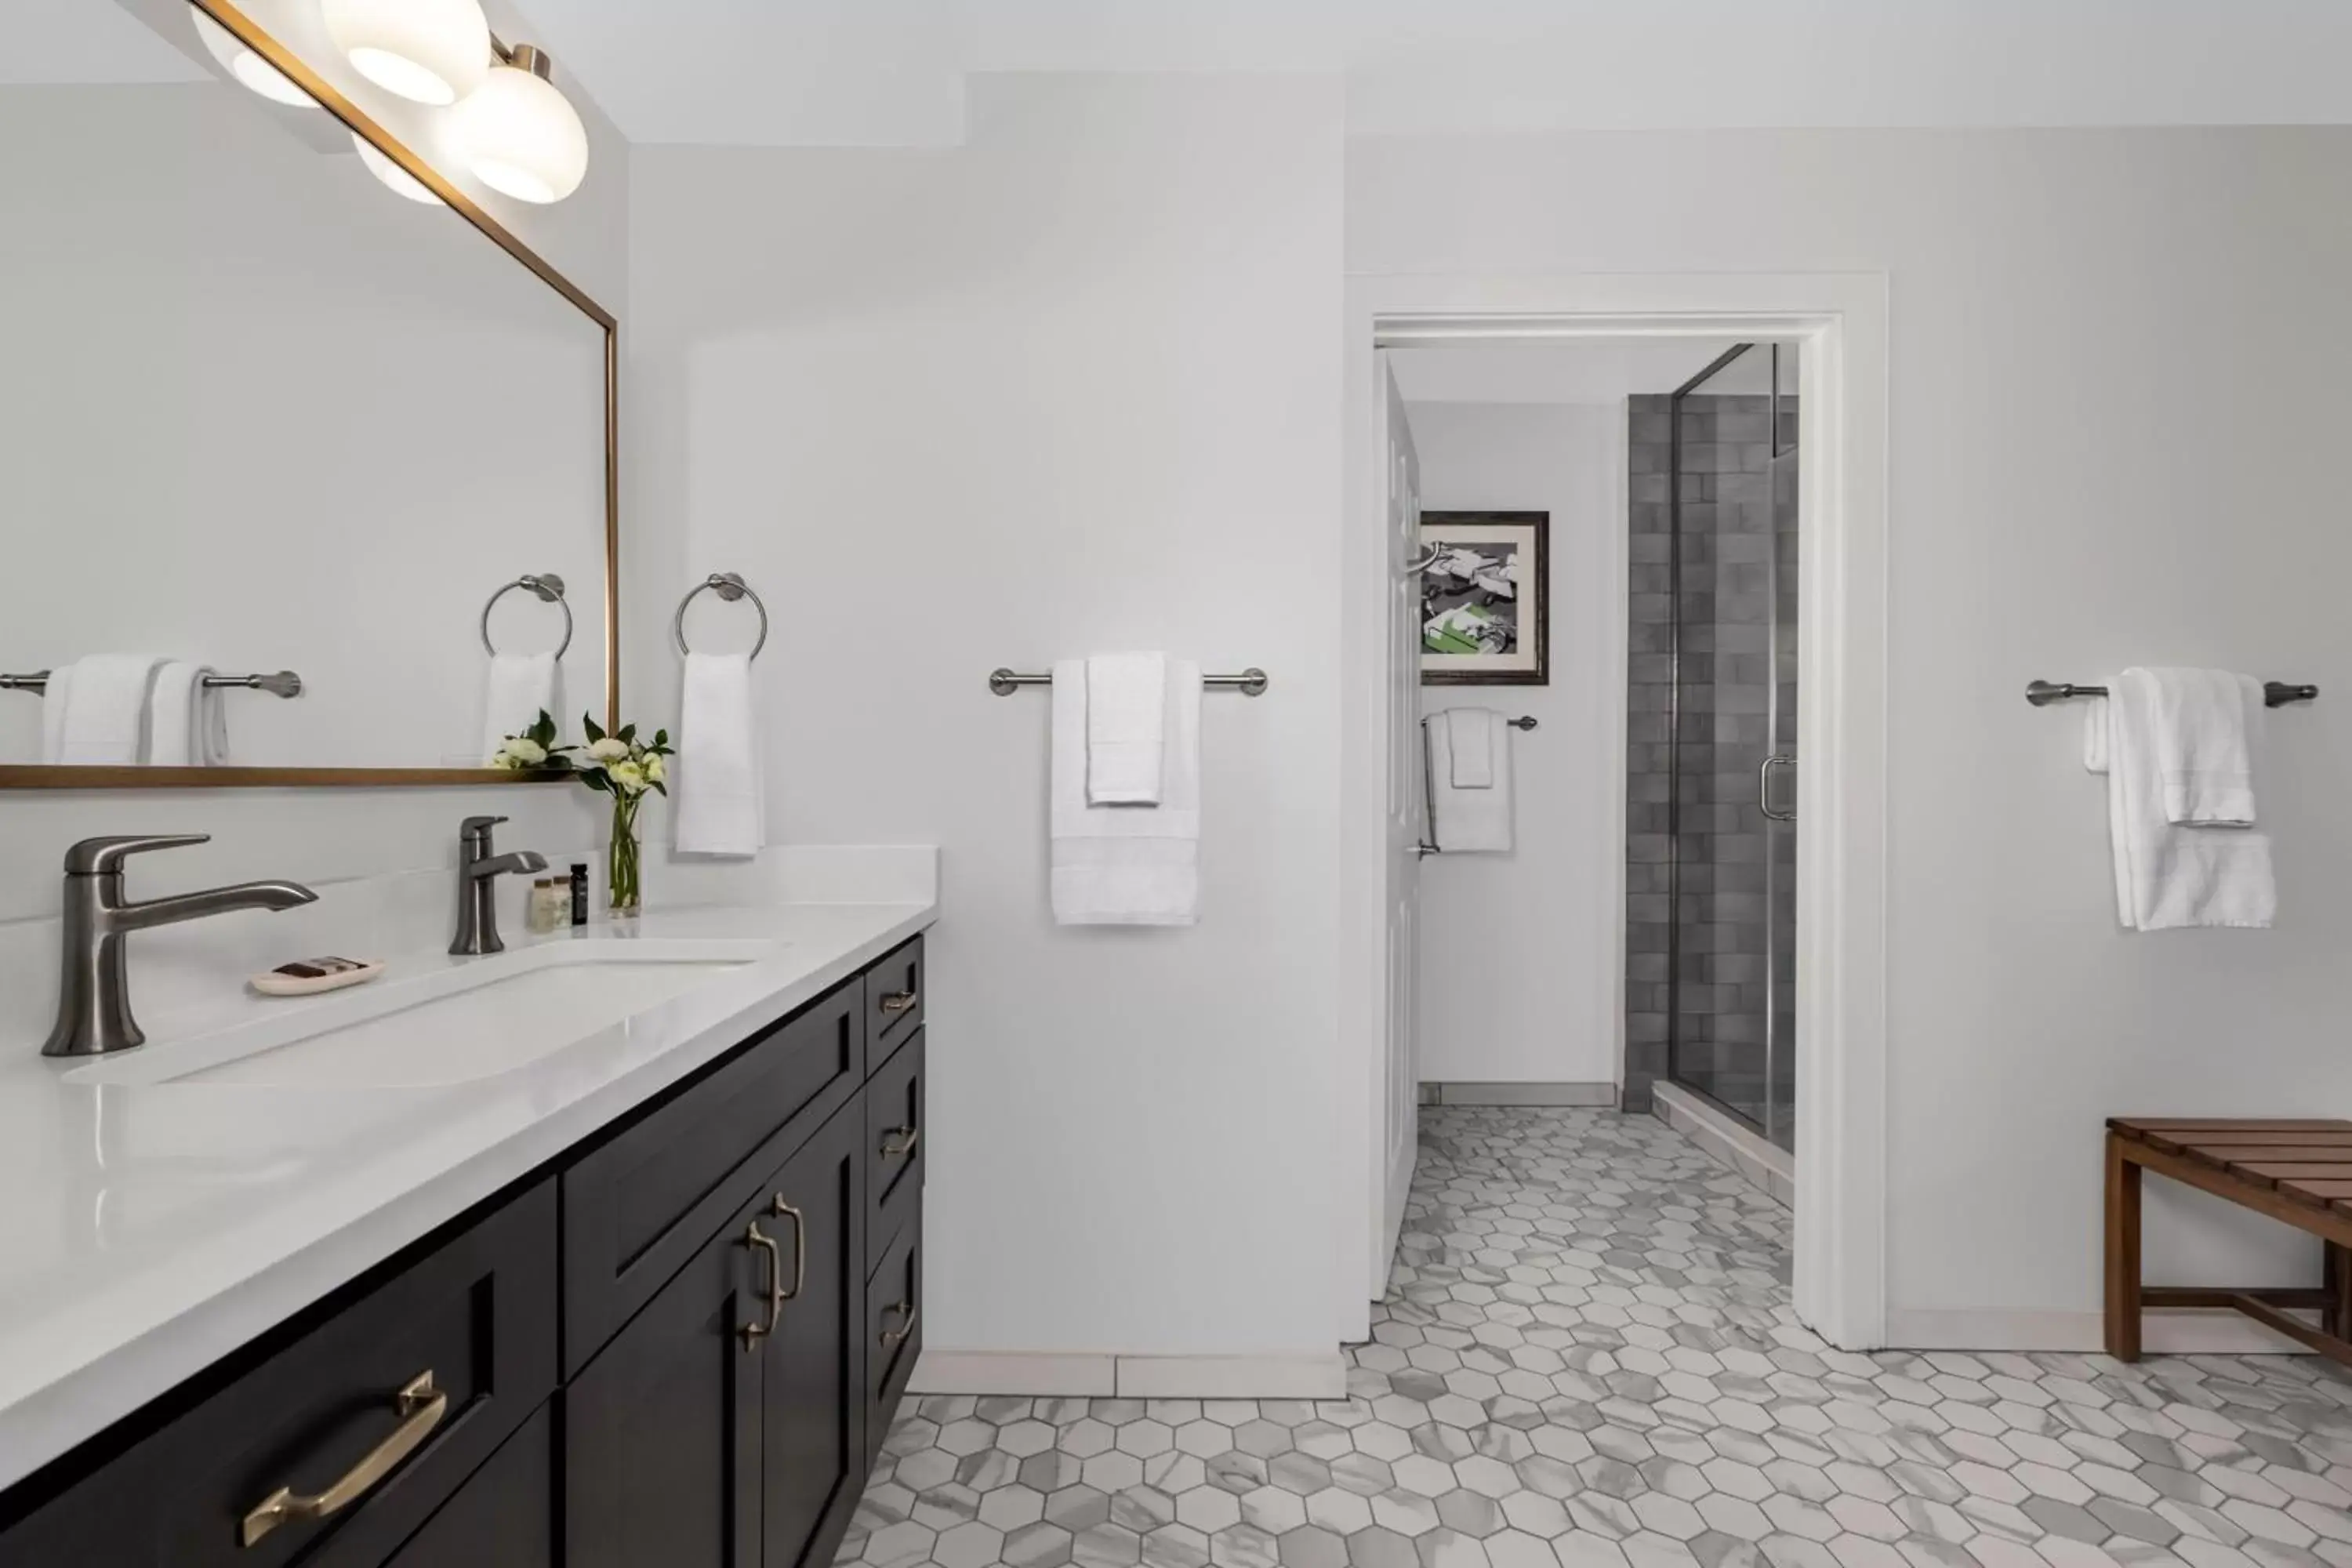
(307,976)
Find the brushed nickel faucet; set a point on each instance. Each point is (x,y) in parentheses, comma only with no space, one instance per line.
(478,870)
(94,982)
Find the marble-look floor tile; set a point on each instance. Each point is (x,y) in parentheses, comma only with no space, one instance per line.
(1587,1359)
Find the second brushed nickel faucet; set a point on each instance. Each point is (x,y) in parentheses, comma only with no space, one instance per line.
(478,869)
(94,983)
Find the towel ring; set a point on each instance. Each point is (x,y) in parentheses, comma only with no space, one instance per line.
(730,587)
(549,589)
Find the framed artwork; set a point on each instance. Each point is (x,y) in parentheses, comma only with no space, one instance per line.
(1486,599)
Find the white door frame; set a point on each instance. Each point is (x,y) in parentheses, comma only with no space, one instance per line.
(1842,320)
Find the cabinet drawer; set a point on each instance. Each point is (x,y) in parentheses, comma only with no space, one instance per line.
(647,1198)
(894,1147)
(504,1517)
(341,1418)
(894,999)
(894,1306)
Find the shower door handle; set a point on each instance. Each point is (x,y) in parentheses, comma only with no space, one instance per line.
(1764,787)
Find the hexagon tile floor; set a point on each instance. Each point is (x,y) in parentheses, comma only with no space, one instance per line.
(1586,1358)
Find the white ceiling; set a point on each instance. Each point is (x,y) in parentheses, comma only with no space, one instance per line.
(1591,370)
(773,72)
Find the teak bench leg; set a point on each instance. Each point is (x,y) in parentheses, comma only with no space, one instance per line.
(2123,1253)
(2336,1279)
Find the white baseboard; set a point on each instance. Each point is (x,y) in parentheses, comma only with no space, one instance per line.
(1099,1375)
(1583,1094)
(2166,1331)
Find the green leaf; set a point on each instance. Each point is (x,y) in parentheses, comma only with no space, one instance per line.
(626,733)
(590,728)
(594,779)
(658,790)
(661,742)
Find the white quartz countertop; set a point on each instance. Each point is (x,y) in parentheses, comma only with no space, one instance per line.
(148,1230)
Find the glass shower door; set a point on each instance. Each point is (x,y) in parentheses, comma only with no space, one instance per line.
(1732,1031)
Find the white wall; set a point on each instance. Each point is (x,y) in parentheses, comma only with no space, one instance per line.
(2115,412)
(1518,951)
(955,410)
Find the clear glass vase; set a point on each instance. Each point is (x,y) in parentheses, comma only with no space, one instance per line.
(625,861)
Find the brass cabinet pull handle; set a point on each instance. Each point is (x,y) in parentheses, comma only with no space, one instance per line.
(897,1001)
(900,1141)
(755,1332)
(906,1311)
(799,1254)
(420,1408)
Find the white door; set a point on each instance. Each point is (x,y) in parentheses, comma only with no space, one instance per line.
(1398,1092)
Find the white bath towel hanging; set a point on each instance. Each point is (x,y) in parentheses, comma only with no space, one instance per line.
(188,723)
(1127,703)
(1468,818)
(2203,752)
(1127,865)
(103,718)
(2170,875)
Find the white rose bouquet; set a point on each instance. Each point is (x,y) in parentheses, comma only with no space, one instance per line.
(627,769)
(535,748)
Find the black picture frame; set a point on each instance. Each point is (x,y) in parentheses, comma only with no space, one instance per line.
(1529,534)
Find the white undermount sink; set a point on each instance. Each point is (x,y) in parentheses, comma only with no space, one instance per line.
(468,1020)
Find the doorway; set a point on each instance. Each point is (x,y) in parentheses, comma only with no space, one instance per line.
(1833,995)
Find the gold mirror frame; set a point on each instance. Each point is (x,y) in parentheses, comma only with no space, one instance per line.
(18,776)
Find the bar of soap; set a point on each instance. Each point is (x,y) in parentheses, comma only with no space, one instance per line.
(306,976)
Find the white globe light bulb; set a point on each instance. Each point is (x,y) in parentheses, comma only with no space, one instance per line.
(429,51)
(521,136)
(249,68)
(398,179)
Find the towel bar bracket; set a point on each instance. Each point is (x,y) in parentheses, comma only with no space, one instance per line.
(283,683)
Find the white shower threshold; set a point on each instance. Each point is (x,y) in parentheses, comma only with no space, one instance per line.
(1730,1143)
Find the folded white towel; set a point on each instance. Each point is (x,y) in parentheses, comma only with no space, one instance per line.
(1470,741)
(188,723)
(521,686)
(2201,749)
(1127,701)
(2169,875)
(1128,865)
(1475,817)
(104,719)
(720,807)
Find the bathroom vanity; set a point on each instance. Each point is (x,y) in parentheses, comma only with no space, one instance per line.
(671,1328)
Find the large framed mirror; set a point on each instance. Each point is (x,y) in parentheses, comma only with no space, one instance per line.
(301,482)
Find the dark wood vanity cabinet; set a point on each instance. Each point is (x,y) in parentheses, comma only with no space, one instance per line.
(703,1379)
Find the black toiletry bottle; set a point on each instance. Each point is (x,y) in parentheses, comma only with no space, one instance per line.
(578,893)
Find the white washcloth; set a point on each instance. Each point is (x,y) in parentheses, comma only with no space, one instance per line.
(1128,865)
(1470,735)
(718,788)
(2168,875)
(521,686)
(1475,817)
(103,722)
(188,723)
(1127,704)
(2201,746)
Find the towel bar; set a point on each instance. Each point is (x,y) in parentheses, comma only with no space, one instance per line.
(2275,693)
(285,683)
(1250,682)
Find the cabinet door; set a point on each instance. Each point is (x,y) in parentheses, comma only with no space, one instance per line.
(662,1440)
(814,1463)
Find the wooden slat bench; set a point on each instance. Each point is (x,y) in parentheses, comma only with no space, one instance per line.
(2299,1172)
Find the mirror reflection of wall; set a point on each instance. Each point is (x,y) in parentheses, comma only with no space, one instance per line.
(260,412)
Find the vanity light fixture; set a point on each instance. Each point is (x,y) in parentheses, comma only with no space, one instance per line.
(519,134)
(397,179)
(429,51)
(249,68)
